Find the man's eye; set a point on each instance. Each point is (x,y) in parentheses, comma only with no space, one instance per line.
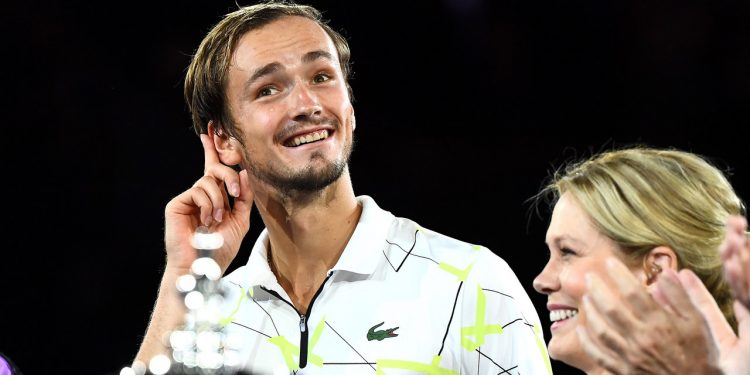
(321,77)
(266,91)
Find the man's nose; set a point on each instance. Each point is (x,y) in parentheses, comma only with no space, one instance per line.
(305,103)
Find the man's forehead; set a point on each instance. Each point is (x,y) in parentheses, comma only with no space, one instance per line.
(293,35)
(286,43)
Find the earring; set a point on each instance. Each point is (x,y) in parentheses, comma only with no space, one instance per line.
(653,271)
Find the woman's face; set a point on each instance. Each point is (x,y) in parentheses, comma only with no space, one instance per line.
(576,247)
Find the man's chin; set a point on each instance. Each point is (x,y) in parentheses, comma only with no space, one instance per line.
(307,181)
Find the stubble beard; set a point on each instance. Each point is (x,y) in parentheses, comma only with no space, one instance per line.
(305,182)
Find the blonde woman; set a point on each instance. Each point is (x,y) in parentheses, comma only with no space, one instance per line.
(685,332)
(656,212)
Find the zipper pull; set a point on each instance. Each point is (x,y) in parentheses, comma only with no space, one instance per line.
(302,319)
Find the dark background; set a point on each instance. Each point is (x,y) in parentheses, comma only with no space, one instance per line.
(463,109)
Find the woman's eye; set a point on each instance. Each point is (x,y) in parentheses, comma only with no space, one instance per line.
(567,252)
(321,77)
(266,91)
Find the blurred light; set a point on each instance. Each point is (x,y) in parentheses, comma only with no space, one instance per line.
(181,340)
(208,341)
(208,267)
(178,356)
(186,283)
(204,240)
(159,365)
(189,321)
(188,359)
(210,360)
(194,300)
(127,371)
(210,316)
(139,367)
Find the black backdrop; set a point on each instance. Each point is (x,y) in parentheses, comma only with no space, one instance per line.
(463,107)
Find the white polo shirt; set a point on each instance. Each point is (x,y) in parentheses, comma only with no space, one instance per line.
(401,300)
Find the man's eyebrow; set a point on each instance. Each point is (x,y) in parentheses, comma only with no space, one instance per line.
(315,55)
(275,66)
(263,71)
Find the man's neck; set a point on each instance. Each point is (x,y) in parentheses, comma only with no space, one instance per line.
(307,236)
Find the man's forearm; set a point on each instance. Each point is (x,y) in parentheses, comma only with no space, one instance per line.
(168,314)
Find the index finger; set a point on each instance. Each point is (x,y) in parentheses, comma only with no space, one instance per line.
(210,156)
(672,294)
(215,168)
(705,303)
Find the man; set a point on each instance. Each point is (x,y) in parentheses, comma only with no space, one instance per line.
(334,284)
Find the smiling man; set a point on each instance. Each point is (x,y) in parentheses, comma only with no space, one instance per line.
(334,284)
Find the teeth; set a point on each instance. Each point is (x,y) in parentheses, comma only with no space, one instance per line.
(316,136)
(556,315)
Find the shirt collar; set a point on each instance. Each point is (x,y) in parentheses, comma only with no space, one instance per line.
(361,254)
(363,251)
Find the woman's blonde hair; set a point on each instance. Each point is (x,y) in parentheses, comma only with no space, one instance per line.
(642,198)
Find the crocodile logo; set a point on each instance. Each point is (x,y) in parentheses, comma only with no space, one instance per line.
(380,334)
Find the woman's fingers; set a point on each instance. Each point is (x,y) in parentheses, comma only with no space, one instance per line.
(629,288)
(603,356)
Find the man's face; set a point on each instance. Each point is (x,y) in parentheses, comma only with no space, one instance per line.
(289,100)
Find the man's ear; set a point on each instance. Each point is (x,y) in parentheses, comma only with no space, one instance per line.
(657,260)
(227,147)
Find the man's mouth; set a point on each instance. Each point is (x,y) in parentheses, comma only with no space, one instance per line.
(562,314)
(303,139)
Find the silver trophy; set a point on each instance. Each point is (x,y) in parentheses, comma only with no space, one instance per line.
(199,346)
